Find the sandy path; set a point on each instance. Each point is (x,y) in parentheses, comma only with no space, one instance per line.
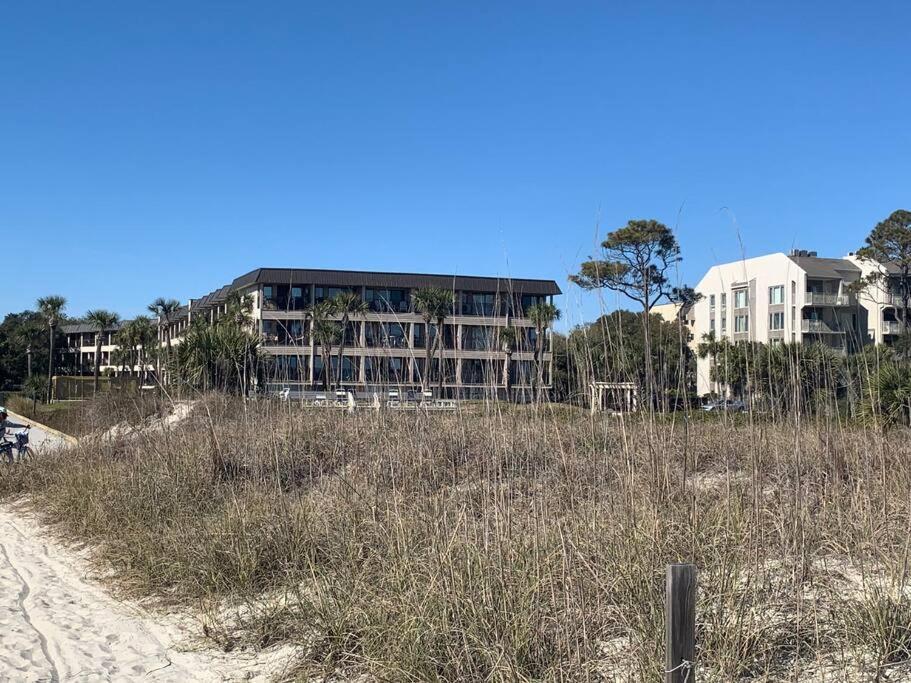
(40,440)
(57,625)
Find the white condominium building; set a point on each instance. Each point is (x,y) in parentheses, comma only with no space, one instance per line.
(796,297)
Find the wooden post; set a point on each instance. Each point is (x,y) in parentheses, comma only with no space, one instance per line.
(680,624)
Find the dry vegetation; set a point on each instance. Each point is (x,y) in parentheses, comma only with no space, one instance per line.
(505,544)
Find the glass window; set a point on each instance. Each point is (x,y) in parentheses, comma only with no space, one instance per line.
(529,300)
(776,294)
(323,292)
(741,323)
(349,368)
(776,320)
(478,338)
(269,298)
(740,298)
(477,371)
(386,335)
(387,300)
(724,322)
(478,303)
(285,332)
(420,338)
(384,370)
(521,372)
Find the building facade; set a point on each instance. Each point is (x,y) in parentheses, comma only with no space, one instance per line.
(79,353)
(882,299)
(796,297)
(385,346)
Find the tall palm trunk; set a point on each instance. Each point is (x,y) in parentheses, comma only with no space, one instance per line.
(507,380)
(341,350)
(327,364)
(439,342)
(428,356)
(539,364)
(50,362)
(97,381)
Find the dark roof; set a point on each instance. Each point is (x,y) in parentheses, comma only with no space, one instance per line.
(82,328)
(358,278)
(815,266)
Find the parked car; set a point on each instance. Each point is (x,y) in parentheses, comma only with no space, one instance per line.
(729,405)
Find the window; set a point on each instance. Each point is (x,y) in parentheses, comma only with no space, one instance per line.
(478,338)
(712,324)
(478,303)
(741,323)
(269,298)
(387,300)
(740,298)
(476,371)
(419,337)
(389,335)
(724,312)
(776,321)
(285,297)
(712,301)
(324,292)
(776,295)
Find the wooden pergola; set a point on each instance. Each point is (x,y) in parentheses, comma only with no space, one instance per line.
(617,397)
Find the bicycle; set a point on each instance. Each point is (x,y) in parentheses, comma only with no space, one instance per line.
(23,450)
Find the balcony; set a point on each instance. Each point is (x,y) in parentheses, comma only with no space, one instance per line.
(820,299)
(894,300)
(817,327)
(892,327)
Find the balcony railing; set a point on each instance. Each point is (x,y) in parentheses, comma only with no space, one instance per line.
(819,299)
(894,300)
(817,326)
(892,327)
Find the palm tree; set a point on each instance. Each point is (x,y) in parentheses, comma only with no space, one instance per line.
(164,309)
(433,304)
(239,310)
(101,320)
(51,309)
(347,304)
(542,317)
(136,340)
(146,347)
(508,337)
(326,332)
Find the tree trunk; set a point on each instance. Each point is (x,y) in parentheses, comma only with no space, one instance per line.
(506,378)
(906,296)
(50,363)
(440,346)
(97,381)
(428,357)
(341,350)
(327,365)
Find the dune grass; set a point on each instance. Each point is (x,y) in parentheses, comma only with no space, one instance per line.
(519,544)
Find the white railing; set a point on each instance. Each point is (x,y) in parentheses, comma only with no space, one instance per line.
(815,326)
(892,327)
(818,299)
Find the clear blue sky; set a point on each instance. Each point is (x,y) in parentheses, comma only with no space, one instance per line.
(152,149)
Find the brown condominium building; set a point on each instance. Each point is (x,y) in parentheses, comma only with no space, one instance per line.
(385,347)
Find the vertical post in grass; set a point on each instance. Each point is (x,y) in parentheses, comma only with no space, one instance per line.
(680,624)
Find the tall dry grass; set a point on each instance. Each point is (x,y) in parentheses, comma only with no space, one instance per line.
(504,544)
